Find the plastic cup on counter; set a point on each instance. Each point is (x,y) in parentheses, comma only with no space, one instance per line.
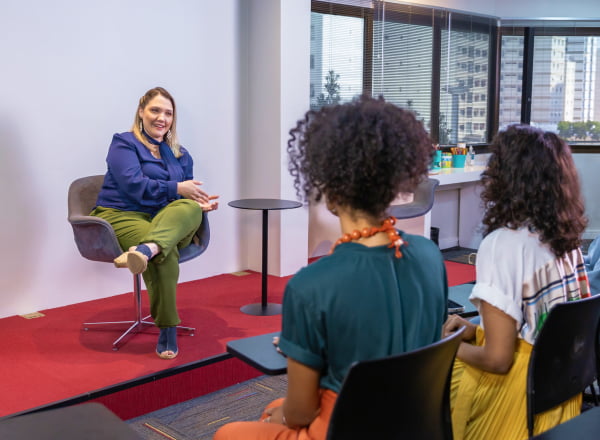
(458,160)
(437,159)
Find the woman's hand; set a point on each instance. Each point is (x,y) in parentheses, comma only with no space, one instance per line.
(190,189)
(274,415)
(454,322)
(276,344)
(210,205)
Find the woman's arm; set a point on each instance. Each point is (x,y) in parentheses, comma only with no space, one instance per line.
(497,353)
(302,402)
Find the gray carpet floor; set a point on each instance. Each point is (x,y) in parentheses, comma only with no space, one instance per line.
(198,419)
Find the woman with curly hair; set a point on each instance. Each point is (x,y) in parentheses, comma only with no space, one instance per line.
(528,261)
(380,291)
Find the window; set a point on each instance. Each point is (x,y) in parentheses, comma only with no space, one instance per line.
(459,89)
(438,62)
(560,89)
(336,52)
(429,60)
(402,60)
(566,86)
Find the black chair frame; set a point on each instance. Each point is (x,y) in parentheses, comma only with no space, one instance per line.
(401,396)
(563,360)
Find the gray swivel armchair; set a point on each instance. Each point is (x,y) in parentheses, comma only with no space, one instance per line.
(422,201)
(96,241)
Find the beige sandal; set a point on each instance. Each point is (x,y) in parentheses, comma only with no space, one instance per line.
(121,260)
(136,262)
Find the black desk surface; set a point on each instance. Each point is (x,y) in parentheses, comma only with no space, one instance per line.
(89,421)
(268,204)
(586,425)
(259,352)
(460,294)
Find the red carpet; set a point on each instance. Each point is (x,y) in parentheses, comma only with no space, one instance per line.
(51,359)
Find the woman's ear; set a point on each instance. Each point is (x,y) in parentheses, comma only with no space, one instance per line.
(332,207)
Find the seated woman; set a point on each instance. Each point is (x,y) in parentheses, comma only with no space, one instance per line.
(528,261)
(380,291)
(150,198)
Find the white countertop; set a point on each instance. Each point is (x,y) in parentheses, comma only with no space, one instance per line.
(449,176)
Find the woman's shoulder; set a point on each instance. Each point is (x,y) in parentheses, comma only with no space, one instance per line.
(320,271)
(126,136)
(514,248)
(419,244)
(185,154)
(321,264)
(125,139)
(506,239)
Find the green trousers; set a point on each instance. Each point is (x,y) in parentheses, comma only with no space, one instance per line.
(172,228)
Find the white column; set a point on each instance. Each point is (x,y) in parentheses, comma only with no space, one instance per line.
(275,93)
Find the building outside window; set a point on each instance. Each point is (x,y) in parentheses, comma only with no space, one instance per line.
(441,65)
(565,83)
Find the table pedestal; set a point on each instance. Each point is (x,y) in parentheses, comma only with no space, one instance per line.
(264,308)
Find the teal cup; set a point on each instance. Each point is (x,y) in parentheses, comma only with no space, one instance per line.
(437,159)
(458,160)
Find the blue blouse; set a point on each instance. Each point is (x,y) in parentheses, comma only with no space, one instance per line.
(136,180)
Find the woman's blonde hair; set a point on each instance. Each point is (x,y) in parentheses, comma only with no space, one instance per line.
(171,137)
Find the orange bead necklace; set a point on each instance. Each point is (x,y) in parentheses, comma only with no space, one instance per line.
(387,226)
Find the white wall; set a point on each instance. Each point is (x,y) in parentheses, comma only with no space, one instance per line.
(545,9)
(71,75)
(275,95)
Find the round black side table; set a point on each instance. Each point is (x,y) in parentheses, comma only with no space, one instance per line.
(265,205)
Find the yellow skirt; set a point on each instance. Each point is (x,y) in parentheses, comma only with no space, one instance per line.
(494,406)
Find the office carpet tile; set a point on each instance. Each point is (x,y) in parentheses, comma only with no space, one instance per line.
(199,418)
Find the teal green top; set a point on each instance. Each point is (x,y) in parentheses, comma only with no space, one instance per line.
(362,303)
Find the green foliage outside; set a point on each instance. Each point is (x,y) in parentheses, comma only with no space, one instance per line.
(332,87)
(580,131)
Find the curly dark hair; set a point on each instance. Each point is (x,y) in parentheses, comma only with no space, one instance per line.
(360,154)
(531,181)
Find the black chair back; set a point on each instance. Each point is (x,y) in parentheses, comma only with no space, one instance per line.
(404,396)
(563,360)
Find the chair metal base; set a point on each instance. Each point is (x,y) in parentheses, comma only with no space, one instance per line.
(135,327)
(139,323)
